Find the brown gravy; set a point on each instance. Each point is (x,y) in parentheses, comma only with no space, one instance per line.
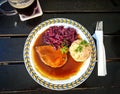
(69,69)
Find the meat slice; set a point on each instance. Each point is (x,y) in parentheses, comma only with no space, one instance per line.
(50,56)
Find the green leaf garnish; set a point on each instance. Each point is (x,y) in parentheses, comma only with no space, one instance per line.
(64,49)
(79,48)
(84,42)
(81,45)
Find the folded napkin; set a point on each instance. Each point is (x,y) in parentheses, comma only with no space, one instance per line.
(101,56)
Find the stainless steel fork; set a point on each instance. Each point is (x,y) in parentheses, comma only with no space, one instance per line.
(99,26)
(101,56)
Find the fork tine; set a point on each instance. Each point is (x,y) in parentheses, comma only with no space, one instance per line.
(99,26)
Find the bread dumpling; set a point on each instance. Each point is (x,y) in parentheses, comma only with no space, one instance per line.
(80,50)
(51,56)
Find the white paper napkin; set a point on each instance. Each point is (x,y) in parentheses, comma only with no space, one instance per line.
(101,56)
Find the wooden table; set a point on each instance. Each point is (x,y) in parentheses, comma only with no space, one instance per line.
(14,78)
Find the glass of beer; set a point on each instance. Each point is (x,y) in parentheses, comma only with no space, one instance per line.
(25,8)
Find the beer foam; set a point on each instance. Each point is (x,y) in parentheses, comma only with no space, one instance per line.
(20,4)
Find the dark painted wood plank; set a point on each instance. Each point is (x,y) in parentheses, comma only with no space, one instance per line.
(112,46)
(80,5)
(75,91)
(16,78)
(12,26)
(77,6)
(11,49)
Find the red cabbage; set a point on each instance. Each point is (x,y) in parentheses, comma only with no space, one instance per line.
(59,36)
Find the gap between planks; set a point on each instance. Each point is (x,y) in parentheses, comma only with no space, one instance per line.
(22,62)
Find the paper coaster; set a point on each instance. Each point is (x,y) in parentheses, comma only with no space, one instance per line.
(37,12)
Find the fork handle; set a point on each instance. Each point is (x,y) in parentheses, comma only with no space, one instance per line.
(105,67)
(101,54)
(100,57)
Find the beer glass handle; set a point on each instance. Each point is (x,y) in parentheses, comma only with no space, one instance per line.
(4,12)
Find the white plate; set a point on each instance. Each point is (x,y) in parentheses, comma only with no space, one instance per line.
(74,80)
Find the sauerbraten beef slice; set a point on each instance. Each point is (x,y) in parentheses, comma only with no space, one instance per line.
(50,56)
